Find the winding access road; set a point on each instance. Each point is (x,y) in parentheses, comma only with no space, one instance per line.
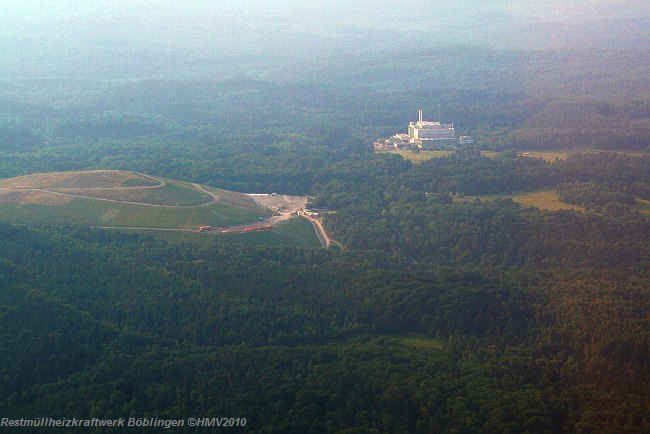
(214,197)
(284,206)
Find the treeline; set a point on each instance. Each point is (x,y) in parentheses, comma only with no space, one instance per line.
(598,197)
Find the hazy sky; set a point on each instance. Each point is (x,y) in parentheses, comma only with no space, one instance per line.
(46,37)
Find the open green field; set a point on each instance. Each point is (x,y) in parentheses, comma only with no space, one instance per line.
(235,198)
(300,231)
(419,156)
(88,212)
(173,193)
(563,154)
(490,154)
(295,232)
(547,155)
(81,179)
(111,198)
(119,186)
(166,208)
(420,341)
(546,199)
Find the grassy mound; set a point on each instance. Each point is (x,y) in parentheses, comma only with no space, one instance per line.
(120,199)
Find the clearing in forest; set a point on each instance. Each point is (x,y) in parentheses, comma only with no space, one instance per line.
(112,198)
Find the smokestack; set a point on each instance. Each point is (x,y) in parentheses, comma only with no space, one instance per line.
(420,115)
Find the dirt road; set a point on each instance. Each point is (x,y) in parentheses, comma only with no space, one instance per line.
(215,197)
(320,231)
(80,196)
(284,207)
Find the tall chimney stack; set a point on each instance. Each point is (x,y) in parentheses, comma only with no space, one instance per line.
(420,115)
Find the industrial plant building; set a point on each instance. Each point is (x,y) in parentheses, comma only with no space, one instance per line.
(431,135)
(426,135)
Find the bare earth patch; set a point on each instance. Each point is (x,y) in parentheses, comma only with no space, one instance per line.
(280,202)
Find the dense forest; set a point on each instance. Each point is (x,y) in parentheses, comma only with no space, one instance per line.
(447,307)
(304,340)
(524,320)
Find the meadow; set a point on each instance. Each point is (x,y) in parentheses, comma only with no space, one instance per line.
(88,212)
(420,341)
(418,156)
(294,232)
(173,193)
(545,199)
(563,154)
(109,198)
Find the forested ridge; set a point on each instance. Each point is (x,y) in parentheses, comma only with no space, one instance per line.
(448,307)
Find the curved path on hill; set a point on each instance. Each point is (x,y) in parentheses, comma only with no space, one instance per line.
(278,217)
(161,183)
(214,197)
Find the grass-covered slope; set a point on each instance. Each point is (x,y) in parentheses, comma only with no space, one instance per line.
(120,199)
(294,232)
(87,212)
(172,193)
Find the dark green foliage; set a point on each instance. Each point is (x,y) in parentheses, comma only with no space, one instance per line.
(539,319)
(419,220)
(598,197)
(287,338)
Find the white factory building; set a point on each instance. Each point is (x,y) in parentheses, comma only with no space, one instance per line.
(425,135)
(429,135)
